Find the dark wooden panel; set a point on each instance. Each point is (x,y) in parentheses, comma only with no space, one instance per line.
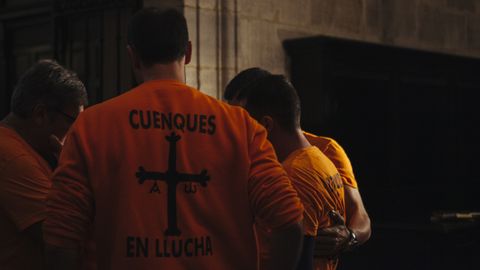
(91,39)
(408,120)
(26,40)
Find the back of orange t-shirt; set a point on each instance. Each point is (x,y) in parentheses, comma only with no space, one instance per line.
(320,189)
(171,179)
(318,184)
(337,155)
(24,186)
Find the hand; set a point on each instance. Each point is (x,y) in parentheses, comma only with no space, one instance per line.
(331,241)
(56,145)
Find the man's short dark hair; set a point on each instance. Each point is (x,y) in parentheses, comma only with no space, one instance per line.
(275,96)
(240,85)
(48,83)
(158,36)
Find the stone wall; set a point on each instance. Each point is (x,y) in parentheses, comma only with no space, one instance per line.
(231,35)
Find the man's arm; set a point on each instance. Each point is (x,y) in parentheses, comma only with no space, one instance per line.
(70,205)
(306,256)
(274,201)
(23,190)
(286,246)
(357,216)
(58,258)
(34,231)
(333,240)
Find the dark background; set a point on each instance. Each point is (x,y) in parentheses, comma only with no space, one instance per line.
(87,36)
(409,121)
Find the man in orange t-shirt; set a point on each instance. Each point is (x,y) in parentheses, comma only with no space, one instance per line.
(169,177)
(45,102)
(274,103)
(339,237)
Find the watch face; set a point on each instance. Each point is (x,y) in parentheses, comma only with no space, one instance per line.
(353,239)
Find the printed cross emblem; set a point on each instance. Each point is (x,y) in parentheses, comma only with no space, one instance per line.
(172,178)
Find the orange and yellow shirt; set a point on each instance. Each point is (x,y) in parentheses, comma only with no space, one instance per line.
(170,178)
(320,188)
(337,155)
(24,186)
(318,184)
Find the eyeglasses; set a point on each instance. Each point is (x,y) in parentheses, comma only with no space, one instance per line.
(70,118)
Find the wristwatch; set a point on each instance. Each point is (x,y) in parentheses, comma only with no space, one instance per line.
(353,241)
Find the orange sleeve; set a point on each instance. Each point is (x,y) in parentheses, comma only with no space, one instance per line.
(340,159)
(70,203)
(310,197)
(272,198)
(23,191)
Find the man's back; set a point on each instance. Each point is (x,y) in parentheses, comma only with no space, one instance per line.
(320,188)
(337,155)
(170,178)
(24,185)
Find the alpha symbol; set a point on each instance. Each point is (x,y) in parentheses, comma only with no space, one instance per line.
(172,178)
(155,188)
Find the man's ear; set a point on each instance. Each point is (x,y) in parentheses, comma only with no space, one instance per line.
(267,122)
(40,114)
(188,53)
(133,57)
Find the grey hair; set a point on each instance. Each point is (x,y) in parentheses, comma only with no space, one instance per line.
(48,83)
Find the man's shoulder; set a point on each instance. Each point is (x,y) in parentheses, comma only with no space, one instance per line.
(151,94)
(311,162)
(301,161)
(321,142)
(327,145)
(235,114)
(151,106)
(11,145)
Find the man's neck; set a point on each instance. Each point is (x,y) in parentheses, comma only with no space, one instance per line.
(286,143)
(171,71)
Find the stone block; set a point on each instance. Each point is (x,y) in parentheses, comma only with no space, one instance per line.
(285,33)
(398,20)
(227,40)
(226,75)
(473,33)
(456,32)
(462,5)
(208,82)
(191,76)
(432,23)
(203,4)
(373,22)
(209,38)
(229,5)
(344,15)
(322,12)
(191,16)
(259,45)
(260,10)
(294,12)
(178,4)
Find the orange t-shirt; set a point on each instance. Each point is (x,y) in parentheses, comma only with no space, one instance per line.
(318,184)
(24,186)
(171,179)
(337,155)
(320,188)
